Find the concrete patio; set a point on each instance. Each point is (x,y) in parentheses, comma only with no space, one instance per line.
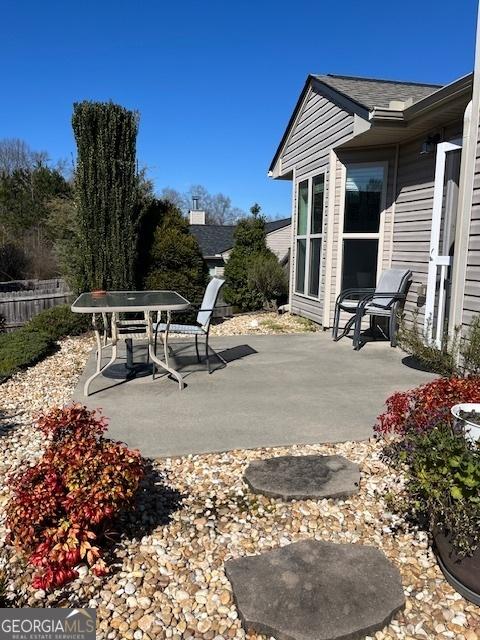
(275,390)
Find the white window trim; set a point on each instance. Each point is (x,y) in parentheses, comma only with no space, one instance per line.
(380,235)
(309,236)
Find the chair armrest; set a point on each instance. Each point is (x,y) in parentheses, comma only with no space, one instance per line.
(347,293)
(395,295)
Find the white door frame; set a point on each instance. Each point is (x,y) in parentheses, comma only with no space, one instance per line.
(436,260)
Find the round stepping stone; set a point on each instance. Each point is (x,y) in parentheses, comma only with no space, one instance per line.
(303,477)
(314,590)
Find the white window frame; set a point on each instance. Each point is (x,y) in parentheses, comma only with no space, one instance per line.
(380,235)
(309,236)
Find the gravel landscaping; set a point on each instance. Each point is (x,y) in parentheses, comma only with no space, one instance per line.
(266,323)
(196,512)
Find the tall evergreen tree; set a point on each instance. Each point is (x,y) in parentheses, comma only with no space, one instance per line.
(175,258)
(106,192)
(250,242)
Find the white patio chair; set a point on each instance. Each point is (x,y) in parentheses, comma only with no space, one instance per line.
(202,326)
(385,301)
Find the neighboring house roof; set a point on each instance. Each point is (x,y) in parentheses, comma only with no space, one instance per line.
(371,92)
(366,93)
(275,225)
(215,239)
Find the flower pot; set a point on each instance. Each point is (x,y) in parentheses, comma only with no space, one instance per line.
(99,293)
(462,573)
(468,428)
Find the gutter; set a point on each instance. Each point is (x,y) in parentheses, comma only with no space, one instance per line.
(436,99)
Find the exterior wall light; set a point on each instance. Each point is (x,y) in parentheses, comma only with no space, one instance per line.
(430,144)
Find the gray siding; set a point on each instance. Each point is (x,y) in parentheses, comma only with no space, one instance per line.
(413,219)
(320,126)
(413,216)
(279,241)
(471,300)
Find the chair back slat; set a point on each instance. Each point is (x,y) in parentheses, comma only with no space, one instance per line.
(391,281)
(209,300)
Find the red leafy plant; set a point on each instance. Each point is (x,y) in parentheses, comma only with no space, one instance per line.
(424,407)
(61,506)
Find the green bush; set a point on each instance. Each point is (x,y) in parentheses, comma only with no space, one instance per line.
(21,349)
(249,245)
(443,485)
(416,341)
(59,322)
(34,341)
(457,356)
(176,261)
(266,276)
(470,349)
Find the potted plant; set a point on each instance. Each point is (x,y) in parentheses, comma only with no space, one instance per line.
(443,491)
(467,419)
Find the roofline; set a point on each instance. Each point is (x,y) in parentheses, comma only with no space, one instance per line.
(444,94)
(287,222)
(382,114)
(449,91)
(290,122)
(366,79)
(363,107)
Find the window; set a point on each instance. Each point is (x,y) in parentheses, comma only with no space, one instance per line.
(309,236)
(359,263)
(364,203)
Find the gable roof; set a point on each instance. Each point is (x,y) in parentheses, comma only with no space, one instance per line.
(364,92)
(215,239)
(275,225)
(372,92)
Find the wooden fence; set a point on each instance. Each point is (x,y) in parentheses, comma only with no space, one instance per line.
(21,300)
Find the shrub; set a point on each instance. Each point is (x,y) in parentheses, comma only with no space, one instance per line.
(266,276)
(13,262)
(62,505)
(59,322)
(106,193)
(443,485)
(418,343)
(175,259)
(422,408)
(470,348)
(21,349)
(249,244)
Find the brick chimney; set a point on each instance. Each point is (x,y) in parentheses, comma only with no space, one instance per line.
(197,216)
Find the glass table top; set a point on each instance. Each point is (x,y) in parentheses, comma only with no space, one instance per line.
(129,301)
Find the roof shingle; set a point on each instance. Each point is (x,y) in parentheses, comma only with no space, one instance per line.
(370,92)
(216,238)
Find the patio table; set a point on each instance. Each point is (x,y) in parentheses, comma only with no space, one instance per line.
(116,302)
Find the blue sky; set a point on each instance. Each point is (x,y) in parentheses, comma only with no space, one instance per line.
(215,82)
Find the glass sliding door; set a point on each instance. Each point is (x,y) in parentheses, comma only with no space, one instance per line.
(309,231)
(364,205)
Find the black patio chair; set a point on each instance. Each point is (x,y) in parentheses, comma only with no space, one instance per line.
(203,321)
(385,300)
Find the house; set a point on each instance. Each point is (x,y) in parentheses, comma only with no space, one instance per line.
(379,179)
(216,240)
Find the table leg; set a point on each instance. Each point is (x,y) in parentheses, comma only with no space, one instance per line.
(155,360)
(99,369)
(129,350)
